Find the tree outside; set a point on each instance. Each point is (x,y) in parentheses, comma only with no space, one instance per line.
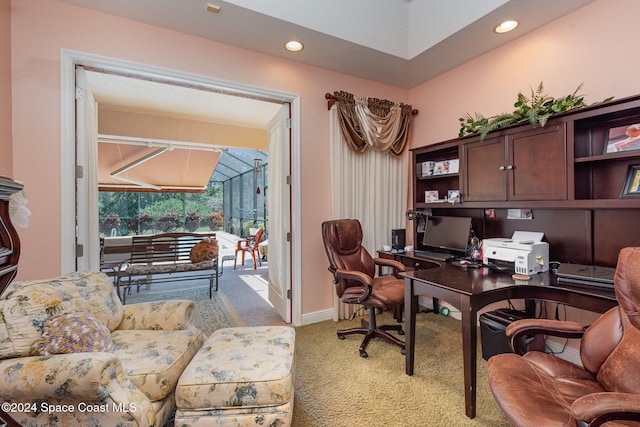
(131,213)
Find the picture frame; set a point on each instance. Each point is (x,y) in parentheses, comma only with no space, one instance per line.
(427,168)
(631,187)
(623,138)
(431,196)
(453,196)
(446,167)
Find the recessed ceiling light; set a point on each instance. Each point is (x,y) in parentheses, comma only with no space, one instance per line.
(506,26)
(294,46)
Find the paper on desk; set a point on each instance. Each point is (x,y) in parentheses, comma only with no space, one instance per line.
(527,236)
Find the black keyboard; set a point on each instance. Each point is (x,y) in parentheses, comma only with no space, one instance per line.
(438,256)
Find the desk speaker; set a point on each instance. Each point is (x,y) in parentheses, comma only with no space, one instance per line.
(398,239)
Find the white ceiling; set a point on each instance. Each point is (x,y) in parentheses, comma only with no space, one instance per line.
(397,42)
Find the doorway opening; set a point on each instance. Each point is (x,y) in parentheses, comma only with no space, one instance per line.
(72,59)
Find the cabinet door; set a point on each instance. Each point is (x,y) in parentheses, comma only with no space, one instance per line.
(537,165)
(484,176)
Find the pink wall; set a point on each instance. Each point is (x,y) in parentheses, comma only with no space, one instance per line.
(40,28)
(594,45)
(6,159)
(578,48)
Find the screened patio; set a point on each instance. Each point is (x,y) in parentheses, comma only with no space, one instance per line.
(236,191)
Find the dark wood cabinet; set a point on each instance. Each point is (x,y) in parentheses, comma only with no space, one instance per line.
(485,174)
(537,164)
(524,164)
(9,254)
(9,241)
(561,171)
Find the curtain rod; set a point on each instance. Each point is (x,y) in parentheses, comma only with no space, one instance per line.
(331,99)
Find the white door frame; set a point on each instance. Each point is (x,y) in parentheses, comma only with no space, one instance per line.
(68,61)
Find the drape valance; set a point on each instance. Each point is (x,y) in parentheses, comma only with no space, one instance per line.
(373,123)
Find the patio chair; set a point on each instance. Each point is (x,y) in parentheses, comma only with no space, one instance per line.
(250,245)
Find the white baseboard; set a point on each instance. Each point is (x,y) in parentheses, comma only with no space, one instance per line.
(318,316)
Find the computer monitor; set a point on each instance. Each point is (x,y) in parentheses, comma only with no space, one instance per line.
(447,232)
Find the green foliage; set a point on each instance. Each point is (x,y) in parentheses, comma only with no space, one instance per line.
(123,203)
(161,206)
(535,109)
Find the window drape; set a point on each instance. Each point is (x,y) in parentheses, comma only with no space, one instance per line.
(370,186)
(370,123)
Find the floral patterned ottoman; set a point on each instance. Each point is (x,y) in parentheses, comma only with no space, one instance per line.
(240,377)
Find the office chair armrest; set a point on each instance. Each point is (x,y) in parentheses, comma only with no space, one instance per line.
(599,408)
(358,276)
(385,262)
(352,294)
(556,328)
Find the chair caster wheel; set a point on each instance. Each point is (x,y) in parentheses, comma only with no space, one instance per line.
(364,354)
(340,336)
(403,351)
(400,332)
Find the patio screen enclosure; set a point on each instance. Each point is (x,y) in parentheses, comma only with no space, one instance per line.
(235,201)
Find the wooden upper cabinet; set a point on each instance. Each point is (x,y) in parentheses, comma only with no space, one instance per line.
(484,177)
(537,164)
(528,164)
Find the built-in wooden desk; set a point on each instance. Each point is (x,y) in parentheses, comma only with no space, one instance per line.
(469,290)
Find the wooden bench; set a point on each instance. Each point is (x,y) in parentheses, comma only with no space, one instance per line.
(160,257)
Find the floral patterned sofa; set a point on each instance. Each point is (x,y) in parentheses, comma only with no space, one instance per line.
(72,355)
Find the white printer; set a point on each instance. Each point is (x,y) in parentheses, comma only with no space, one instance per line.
(524,252)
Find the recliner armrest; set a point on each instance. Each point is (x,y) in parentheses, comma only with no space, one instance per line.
(598,408)
(556,328)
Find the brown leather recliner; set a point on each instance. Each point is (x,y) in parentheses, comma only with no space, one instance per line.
(538,389)
(355,281)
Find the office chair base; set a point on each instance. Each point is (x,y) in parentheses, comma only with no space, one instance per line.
(374,332)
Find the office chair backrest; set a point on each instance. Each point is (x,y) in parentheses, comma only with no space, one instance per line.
(343,244)
(609,348)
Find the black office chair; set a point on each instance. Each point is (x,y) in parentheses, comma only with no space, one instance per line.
(354,277)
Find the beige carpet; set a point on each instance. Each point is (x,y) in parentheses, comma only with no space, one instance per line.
(336,387)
